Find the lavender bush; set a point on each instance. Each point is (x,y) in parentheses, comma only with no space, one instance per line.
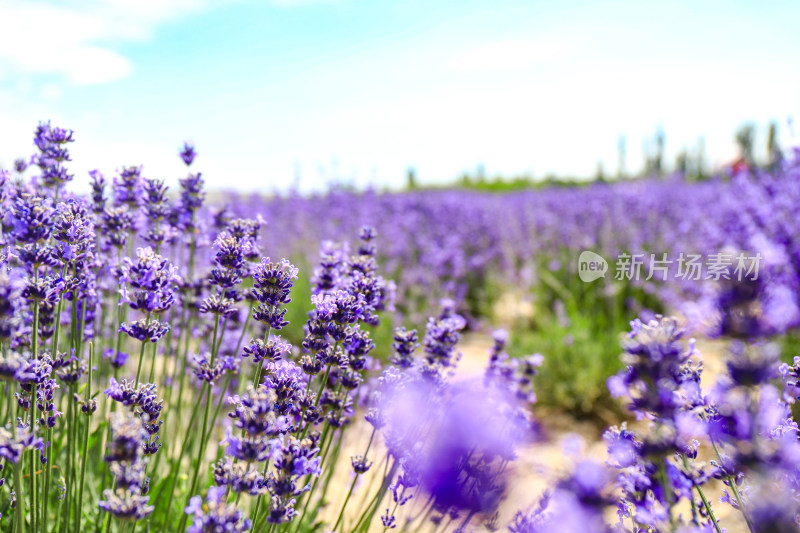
(161,373)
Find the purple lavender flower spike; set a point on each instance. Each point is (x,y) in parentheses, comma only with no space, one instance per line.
(128,500)
(187,153)
(215,514)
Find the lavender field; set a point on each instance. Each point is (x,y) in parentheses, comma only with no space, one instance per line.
(293,363)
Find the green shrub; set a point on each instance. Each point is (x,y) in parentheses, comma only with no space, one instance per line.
(577,327)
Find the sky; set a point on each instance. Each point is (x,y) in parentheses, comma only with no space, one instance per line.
(302,93)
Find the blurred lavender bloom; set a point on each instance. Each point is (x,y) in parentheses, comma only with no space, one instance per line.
(462,439)
(128,501)
(214,514)
(187,153)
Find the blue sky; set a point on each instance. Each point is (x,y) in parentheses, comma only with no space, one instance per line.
(273,92)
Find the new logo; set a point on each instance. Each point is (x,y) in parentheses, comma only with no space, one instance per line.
(591,266)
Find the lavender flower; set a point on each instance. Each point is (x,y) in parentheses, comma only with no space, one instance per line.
(187,153)
(20,164)
(74,232)
(655,362)
(128,500)
(155,207)
(405,344)
(272,284)
(145,330)
(31,219)
(10,309)
(127,187)
(53,152)
(14,367)
(329,275)
(98,183)
(117,223)
(254,413)
(12,448)
(117,359)
(441,337)
(191,199)
(293,459)
(216,514)
(240,477)
(207,371)
(144,402)
(149,282)
(461,439)
(272,350)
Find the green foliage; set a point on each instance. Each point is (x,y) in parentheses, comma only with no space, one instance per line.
(577,327)
(790,346)
(297,310)
(500,184)
(577,362)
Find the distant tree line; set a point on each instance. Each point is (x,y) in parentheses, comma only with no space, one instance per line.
(691,163)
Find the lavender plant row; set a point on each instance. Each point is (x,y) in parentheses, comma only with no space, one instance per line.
(149,384)
(453,243)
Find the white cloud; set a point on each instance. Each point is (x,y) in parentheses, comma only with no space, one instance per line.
(301,3)
(509,54)
(75,41)
(50,92)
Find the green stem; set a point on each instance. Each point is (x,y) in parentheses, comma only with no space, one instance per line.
(177,464)
(260,367)
(139,367)
(32,413)
(182,380)
(372,509)
(385,464)
(258,501)
(153,366)
(732,484)
(667,492)
(333,462)
(708,508)
(87,397)
(306,503)
(424,513)
(346,499)
(19,509)
(47,474)
(218,408)
(201,452)
(141,358)
(69,473)
(241,338)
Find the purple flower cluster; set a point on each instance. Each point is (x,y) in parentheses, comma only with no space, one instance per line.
(144,402)
(743,420)
(128,500)
(272,284)
(215,514)
(13,445)
(53,153)
(148,284)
